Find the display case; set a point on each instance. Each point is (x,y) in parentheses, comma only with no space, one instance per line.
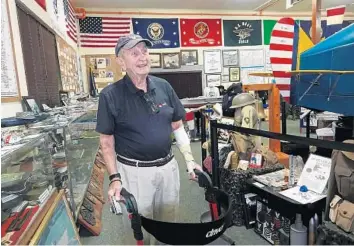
(58,154)
(81,146)
(86,172)
(27,184)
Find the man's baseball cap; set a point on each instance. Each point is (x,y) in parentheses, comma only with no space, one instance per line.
(130,41)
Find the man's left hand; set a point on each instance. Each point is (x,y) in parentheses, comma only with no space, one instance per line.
(190,168)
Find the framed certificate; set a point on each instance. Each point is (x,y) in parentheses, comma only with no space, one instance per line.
(234,74)
(230,57)
(213,79)
(212,62)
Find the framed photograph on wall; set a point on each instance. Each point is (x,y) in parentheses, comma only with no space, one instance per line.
(189,57)
(155,59)
(58,226)
(234,74)
(230,57)
(213,79)
(171,60)
(212,61)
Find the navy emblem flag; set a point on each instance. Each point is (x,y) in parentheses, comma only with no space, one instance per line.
(163,33)
(242,32)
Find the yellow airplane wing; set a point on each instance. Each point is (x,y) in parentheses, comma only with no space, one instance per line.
(261,74)
(295,72)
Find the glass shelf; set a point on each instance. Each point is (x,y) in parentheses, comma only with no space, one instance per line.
(82,143)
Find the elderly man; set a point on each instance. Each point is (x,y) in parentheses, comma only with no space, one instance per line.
(135,119)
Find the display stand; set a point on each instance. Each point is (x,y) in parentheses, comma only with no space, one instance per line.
(272,203)
(214,126)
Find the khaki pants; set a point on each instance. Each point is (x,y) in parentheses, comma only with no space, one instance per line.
(156,190)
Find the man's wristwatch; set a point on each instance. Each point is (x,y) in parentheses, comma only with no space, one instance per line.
(115,176)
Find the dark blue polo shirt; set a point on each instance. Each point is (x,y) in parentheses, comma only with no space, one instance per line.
(139,133)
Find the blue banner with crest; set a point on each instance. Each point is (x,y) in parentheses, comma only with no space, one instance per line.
(163,33)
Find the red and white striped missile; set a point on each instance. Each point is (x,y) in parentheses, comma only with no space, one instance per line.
(281,54)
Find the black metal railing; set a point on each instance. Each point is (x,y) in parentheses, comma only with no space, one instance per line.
(214,126)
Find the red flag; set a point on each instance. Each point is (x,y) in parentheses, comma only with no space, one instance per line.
(200,32)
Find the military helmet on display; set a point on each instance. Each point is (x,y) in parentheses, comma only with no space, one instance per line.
(242,100)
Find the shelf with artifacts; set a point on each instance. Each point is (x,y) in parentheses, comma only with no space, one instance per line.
(67,147)
(27,187)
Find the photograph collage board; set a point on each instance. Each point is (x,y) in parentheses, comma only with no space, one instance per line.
(104,68)
(102,74)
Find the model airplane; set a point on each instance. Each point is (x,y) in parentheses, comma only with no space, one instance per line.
(325,79)
(322,79)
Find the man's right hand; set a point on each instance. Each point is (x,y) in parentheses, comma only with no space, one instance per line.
(114,190)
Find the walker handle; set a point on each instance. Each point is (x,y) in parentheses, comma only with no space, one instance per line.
(204,179)
(129,201)
(132,209)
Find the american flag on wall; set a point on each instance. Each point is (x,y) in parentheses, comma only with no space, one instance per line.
(103,32)
(70,20)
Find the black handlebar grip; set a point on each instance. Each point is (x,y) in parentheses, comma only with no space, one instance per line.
(130,202)
(124,193)
(197,172)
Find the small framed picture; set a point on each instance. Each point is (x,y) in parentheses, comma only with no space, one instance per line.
(155,60)
(234,74)
(101,62)
(171,60)
(31,104)
(189,57)
(58,225)
(225,79)
(230,57)
(213,79)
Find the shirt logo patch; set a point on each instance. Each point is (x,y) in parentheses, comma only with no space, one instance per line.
(161,105)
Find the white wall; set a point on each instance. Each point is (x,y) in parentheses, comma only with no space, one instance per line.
(185,13)
(10,109)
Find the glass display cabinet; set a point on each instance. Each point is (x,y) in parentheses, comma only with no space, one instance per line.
(81,147)
(43,158)
(27,182)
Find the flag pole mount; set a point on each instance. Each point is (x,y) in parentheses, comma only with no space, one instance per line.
(80,13)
